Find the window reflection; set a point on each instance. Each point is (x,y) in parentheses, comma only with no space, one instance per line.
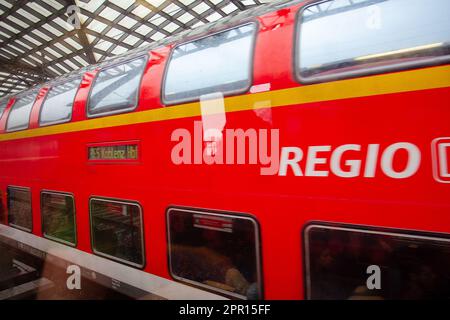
(117,231)
(342,36)
(19,208)
(58,217)
(19,116)
(116,88)
(217,251)
(3,218)
(58,104)
(3,107)
(411,267)
(217,63)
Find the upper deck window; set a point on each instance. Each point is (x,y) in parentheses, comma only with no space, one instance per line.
(19,116)
(58,217)
(57,107)
(341,38)
(3,107)
(117,231)
(215,251)
(220,62)
(19,208)
(116,88)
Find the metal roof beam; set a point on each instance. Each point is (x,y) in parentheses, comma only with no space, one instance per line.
(11,66)
(17,5)
(81,32)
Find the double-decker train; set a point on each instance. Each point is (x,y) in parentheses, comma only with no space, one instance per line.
(298,150)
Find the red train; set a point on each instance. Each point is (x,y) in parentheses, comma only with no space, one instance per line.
(298,150)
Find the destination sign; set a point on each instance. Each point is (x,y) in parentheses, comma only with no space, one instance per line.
(114,152)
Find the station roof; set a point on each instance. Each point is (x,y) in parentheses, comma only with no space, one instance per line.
(43,39)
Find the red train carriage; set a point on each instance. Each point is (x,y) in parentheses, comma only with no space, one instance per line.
(288,152)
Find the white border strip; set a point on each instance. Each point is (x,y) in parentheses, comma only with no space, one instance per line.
(162,287)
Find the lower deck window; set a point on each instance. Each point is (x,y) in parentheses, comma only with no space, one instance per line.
(19,208)
(117,231)
(2,209)
(58,217)
(216,251)
(346,263)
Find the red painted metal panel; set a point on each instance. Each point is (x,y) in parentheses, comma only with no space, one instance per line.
(282,205)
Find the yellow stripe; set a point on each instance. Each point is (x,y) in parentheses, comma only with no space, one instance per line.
(422,79)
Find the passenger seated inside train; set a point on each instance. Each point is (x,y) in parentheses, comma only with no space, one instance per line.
(214,251)
(409,268)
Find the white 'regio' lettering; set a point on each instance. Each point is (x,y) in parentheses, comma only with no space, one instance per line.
(412,165)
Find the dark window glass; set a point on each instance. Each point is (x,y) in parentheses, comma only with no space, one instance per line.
(116,88)
(217,63)
(57,107)
(117,231)
(3,217)
(19,116)
(19,208)
(410,267)
(341,37)
(58,217)
(219,252)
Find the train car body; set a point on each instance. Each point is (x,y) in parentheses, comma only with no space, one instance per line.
(314,172)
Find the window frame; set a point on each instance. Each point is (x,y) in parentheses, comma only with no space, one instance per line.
(142,229)
(8,208)
(45,100)
(365,71)
(403,233)
(71,195)
(216,213)
(4,207)
(146,57)
(11,109)
(251,66)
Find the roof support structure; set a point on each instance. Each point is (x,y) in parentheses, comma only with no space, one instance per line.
(38,43)
(81,32)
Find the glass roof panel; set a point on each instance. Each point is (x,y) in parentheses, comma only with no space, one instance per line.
(107,28)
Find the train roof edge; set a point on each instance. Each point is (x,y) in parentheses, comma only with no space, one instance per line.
(185,35)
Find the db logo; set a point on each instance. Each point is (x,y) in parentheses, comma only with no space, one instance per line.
(440,150)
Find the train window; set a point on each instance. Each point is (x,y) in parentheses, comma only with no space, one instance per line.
(19,208)
(3,107)
(2,209)
(215,251)
(116,88)
(117,231)
(220,62)
(57,107)
(347,263)
(339,39)
(58,217)
(19,116)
